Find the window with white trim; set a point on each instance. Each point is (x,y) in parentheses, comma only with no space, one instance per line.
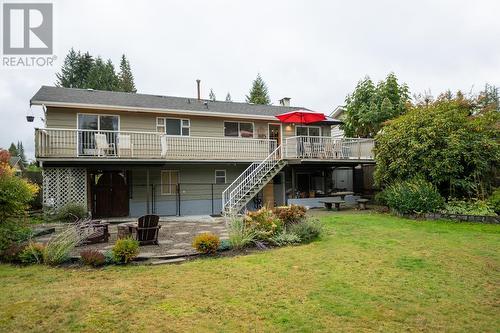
(173,126)
(220,176)
(169,181)
(307,131)
(238,129)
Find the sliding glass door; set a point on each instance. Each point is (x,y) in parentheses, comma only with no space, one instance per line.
(91,124)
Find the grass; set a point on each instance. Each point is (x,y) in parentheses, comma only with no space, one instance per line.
(370,272)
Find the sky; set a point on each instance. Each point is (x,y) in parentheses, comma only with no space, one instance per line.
(312,51)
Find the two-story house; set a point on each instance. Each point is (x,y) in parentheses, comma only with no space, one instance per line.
(125,154)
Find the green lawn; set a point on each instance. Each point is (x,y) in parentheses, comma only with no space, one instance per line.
(370,272)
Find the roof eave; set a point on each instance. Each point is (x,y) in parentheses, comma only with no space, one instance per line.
(152,110)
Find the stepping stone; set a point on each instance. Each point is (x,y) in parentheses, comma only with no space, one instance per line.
(224,237)
(167,261)
(219,228)
(165,241)
(145,255)
(176,251)
(108,247)
(204,231)
(182,245)
(205,225)
(181,233)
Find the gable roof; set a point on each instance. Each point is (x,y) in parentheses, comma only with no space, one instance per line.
(14,161)
(71,97)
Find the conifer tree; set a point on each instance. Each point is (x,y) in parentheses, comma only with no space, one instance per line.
(13,150)
(211,96)
(20,152)
(258,93)
(228,97)
(67,77)
(125,76)
(102,76)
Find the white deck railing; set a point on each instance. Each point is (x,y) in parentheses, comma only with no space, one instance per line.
(71,143)
(328,148)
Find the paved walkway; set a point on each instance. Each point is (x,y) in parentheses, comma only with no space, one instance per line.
(175,237)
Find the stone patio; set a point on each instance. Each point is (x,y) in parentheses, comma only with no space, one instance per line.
(175,237)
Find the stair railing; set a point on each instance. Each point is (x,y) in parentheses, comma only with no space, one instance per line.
(246,183)
(232,186)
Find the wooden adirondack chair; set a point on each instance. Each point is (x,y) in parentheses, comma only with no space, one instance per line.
(148,229)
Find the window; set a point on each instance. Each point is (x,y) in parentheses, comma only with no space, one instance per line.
(98,122)
(173,126)
(307,131)
(169,181)
(220,176)
(238,129)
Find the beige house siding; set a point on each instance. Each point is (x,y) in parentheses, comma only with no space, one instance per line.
(146,122)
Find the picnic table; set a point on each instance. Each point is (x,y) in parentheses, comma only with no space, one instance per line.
(329,202)
(341,194)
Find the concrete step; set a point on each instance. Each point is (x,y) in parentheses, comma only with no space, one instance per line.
(166,261)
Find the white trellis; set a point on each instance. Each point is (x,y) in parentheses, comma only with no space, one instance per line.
(64,185)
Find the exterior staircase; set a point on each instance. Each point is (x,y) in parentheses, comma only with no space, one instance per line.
(250,182)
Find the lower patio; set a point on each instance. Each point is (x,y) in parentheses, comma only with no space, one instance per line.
(175,235)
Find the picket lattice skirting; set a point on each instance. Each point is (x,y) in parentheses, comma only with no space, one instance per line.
(64,185)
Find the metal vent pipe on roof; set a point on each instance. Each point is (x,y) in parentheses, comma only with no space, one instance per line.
(198,86)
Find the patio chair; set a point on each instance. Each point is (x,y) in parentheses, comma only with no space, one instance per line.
(125,144)
(102,145)
(148,229)
(337,149)
(327,150)
(308,149)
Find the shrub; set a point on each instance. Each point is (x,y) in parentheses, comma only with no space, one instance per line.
(308,230)
(108,257)
(59,247)
(413,196)
(92,258)
(207,243)
(225,245)
(473,207)
(380,198)
(240,236)
(71,212)
(12,232)
(125,250)
(285,238)
(440,140)
(32,253)
(494,200)
(15,193)
(12,252)
(290,214)
(264,222)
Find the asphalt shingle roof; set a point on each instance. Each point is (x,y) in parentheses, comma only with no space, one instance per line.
(48,94)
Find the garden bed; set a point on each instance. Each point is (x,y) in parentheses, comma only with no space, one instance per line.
(455,217)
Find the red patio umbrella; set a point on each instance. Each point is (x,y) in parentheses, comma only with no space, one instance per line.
(301,117)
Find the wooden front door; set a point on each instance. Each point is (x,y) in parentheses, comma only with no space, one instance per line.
(109,194)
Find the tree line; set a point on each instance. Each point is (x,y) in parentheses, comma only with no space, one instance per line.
(84,71)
